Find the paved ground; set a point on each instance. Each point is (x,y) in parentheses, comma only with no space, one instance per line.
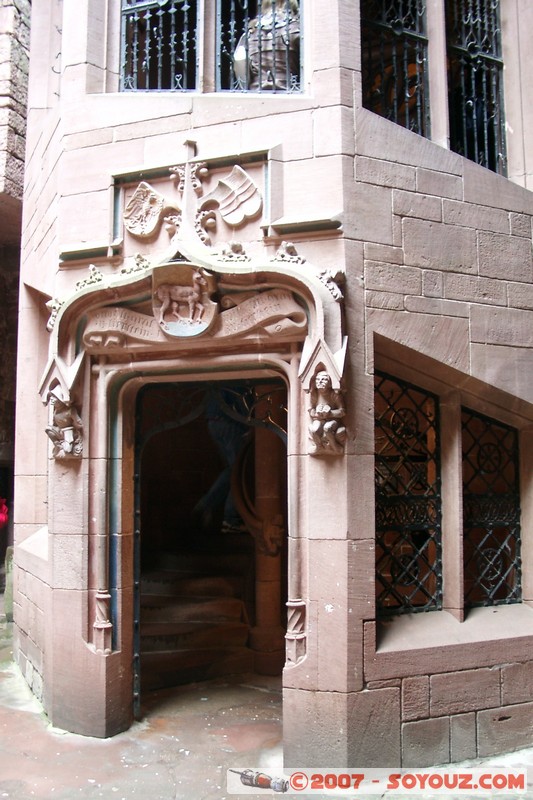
(181,750)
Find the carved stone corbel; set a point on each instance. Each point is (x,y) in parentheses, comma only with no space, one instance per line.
(321,375)
(66,429)
(326,429)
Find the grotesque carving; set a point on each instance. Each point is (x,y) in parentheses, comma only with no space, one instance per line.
(66,431)
(327,410)
(331,281)
(268,54)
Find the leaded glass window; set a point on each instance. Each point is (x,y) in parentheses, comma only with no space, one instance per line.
(475,82)
(408,498)
(491,511)
(394,61)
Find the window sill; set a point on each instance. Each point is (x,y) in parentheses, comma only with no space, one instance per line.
(420,643)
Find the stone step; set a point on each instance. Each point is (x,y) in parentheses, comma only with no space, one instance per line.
(172,608)
(171,636)
(163,669)
(174,582)
(207,562)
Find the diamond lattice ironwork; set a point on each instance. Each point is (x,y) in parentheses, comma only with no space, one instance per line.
(491,511)
(408,502)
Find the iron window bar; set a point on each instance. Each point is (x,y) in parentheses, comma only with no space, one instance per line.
(408,498)
(475,82)
(491,512)
(394,48)
(257,45)
(159,48)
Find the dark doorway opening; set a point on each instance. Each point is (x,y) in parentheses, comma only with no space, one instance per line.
(210,533)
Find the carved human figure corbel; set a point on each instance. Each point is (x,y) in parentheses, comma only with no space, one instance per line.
(326,430)
(66,430)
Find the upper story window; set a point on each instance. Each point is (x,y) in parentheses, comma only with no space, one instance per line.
(475,81)
(394,58)
(397,73)
(255,45)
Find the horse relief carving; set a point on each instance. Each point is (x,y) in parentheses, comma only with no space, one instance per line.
(185,309)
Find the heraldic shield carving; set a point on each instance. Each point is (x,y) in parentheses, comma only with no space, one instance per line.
(182,300)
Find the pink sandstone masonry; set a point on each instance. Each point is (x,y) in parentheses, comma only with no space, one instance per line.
(356,247)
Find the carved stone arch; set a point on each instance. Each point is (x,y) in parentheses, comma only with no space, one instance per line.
(192,312)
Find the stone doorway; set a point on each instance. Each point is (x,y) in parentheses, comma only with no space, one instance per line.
(210,532)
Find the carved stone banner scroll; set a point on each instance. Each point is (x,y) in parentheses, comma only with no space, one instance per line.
(273,313)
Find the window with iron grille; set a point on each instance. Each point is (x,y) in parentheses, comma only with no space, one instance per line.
(257,45)
(397,74)
(491,511)
(408,498)
(394,61)
(475,81)
(408,480)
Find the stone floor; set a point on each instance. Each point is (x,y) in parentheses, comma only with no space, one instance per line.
(181,749)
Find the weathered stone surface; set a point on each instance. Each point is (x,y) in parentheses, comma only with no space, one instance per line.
(505,257)
(504,729)
(457,692)
(445,339)
(374,728)
(474,216)
(439,184)
(517,683)
(502,326)
(409,204)
(429,305)
(463,741)
(433,245)
(476,290)
(415,698)
(392,278)
(385,173)
(425,742)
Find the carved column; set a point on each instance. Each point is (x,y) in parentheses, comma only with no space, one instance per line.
(102,625)
(267,637)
